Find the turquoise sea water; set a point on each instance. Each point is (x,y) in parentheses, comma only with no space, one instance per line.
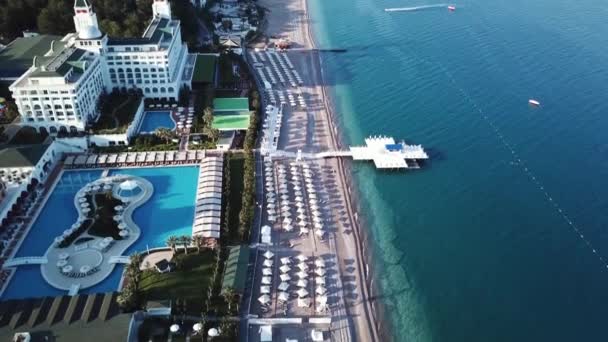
(155,120)
(477,246)
(169,211)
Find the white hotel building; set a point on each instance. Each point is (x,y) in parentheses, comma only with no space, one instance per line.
(61,89)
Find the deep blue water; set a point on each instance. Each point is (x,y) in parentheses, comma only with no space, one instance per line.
(155,120)
(169,211)
(477,246)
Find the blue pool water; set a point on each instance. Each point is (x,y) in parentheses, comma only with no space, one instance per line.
(169,212)
(155,120)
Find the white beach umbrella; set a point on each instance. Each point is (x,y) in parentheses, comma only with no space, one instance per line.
(123,233)
(298,198)
(316,213)
(285,277)
(266,230)
(302,293)
(285,207)
(320,280)
(283,296)
(319,262)
(302,283)
(67,268)
(283,286)
(271,205)
(303,302)
(272,218)
(287,220)
(320,290)
(266,280)
(317,219)
(320,272)
(268,263)
(268,254)
(288,227)
(301,210)
(286,214)
(304,230)
(303,266)
(271,212)
(198,327)
(297,187)
(174,328)
(265,299)
(322,300)
(302,275)
(318,226)
(285,269)
(302,257)
(265,289)
(61,263)
(267,271)
(285,260)
(300,204)
(312,195)
(302,217)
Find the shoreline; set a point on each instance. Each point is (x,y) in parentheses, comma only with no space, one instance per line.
(374,308)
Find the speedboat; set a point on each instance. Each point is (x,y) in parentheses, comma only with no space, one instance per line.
(534,102)
(451,8)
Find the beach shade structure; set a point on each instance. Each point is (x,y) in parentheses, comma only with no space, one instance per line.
(285,260)
(268,254)
(302,275)
(67,269)
(269,187)
(213,332)
(320,233)
(264,289)
(268,263)
(298,193)
(304,231)
(320,290)
(283,296)
(319,262)
(122,225)
(288,227)
(271,205)
(320,280)
(271,212)
(267,271)
(266,280)
(320,272)
(266,230)
(129,188)
(286,214)
(285,277)
(318,226)
(300,204)
(118,208)
(123,233)
(284,192)
(314,207)
(285,269)
(58,240)
(85,269)
(287,220)
(174,328)
(117,218)
(303,302)
(285,207)
(198,327)
(264,299)
(302,283)
(316,213)
(302,293)
(297,187)
(284,197)
(283,286)
(61,263)
(298,198)
(301,210)
(82,200)
(86,210)
(67,232)
(312,195)
(303,266)
(302,217)
(63,255)
(272,218)
(302,223)
(302,257)
(317,219)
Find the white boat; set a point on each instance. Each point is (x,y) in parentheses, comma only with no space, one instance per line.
(534,102)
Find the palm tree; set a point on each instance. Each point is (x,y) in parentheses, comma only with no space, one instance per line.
(229,296)
(164,134)
(198,242)
(208,116)
(171,242)
(185,240)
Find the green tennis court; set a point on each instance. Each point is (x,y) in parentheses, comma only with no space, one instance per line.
(231,122)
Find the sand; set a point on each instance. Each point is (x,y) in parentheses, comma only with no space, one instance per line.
(314,130)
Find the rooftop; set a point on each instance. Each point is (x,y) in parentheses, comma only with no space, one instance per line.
(17,57)
(159,31)
(232,121)
(231,104)
(22,156)
(235,274)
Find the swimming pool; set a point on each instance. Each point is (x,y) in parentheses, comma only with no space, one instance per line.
(170,211)
(155,120)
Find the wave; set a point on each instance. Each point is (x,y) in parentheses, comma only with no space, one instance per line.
(415,8)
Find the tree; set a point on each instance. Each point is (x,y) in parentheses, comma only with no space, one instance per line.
(208,116)
(56,18)
(185,240)
(198,242)
(171,242)
(164,134)
(229,295)
(214,134)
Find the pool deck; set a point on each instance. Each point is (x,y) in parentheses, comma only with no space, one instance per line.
(102,259)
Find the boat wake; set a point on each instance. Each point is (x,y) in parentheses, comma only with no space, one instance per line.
(415,8)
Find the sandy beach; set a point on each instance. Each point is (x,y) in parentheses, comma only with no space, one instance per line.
(312,130)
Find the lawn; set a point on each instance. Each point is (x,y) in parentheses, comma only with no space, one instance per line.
(236,195)
(190,282)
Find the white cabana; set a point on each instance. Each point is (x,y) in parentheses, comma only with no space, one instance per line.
(322,300)
(265,333)
(320,233)
(316,335)
(264,289)
(302,266)
(283,286)
(264,299)
(268,254)
(267,271)
(283,296)
(320,272)
(302,257)
(320,280)
(319,262)
(285,260)
(285,277)
(302,283)
(320,290)
(268,263)
(288,227)
(266,280)
(304,230)
(285,269)
(174,328)
(302,275)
